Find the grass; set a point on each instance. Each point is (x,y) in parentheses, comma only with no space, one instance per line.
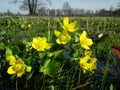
(71,76)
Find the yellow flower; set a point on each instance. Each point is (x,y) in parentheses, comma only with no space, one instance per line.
(69,26)
(17,67)
(22,26)
(29,25)
(28,68)
(40,44)
(63,37)
(83,62)
(88,63)
(85,41)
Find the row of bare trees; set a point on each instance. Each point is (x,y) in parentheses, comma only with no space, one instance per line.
(37,7)
(74,12)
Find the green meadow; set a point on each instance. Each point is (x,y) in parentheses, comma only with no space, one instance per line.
(58,67)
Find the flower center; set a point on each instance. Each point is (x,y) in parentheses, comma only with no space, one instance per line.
(62,38)
(83,41)
(18,67)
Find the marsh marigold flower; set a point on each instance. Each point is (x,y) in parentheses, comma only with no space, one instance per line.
(40,44)
(88,63)
(17,67)
(22,26)
(85,41)
(29,25)
(28,68)
(71,27)
(62,38)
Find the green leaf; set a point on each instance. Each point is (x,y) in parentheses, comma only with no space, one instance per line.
(50,67)
(12,77)
(42,54)
(111,87)
(54,68)
(52,87)
(2,46)
(55,54)
(27,44)
(8,51)
(28,61)
(76,53)
(29,75)
(15,49)
(46,68)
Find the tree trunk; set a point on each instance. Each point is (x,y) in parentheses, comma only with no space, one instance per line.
(32,6)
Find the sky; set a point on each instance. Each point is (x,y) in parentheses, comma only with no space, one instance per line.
(55,4)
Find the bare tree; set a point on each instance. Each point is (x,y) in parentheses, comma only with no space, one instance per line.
(118,5)
(43,11)
(52,12)
(30,5)
(59,12)
(67,8)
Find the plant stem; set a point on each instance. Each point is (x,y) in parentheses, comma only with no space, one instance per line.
(16,84)
(104,76)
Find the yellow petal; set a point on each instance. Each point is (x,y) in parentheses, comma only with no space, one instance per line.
(12,62)
(85,46)
(83,35)
(10,57)
(73,24)
(48,46)
(85,41)
(57,33)
(92,67)
(93,60)
(43,40)
(19,74)
(58,41)
(72,29)
(89,42)
(11,70)
(66,21)
(64,42)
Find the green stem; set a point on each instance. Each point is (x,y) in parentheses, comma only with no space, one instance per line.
(104,77)
(48,30)
(79,77)
(16,84)
(81,85)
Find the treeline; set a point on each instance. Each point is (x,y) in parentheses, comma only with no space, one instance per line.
(78,12)
(37,8)
(71,12)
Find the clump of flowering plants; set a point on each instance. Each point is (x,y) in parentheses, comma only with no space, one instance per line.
(68,49)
